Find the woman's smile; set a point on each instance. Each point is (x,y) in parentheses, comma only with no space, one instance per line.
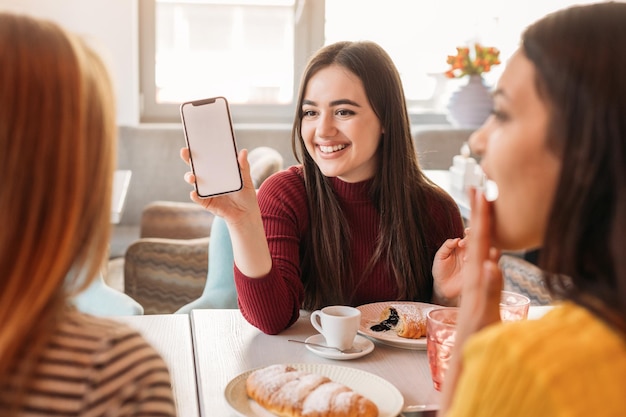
(330,149)
(340,130)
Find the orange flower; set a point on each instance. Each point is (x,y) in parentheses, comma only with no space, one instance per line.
(463,64)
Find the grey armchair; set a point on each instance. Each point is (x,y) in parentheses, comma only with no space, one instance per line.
(523,277)
(164,273)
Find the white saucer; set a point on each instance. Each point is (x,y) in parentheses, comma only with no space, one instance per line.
(360,342)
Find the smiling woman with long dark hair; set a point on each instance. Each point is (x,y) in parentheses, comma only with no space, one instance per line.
(358,221)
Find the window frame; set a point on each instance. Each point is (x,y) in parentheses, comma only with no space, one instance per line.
(309,37)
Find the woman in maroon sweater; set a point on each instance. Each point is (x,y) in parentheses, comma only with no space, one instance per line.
(357,222)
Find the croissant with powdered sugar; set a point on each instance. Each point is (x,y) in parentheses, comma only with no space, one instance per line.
(288,392)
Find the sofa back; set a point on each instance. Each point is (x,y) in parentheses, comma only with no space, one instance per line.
(151,152)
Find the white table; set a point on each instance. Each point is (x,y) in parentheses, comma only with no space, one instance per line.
(222,344)
(170,335)
(441,177)
(226,345)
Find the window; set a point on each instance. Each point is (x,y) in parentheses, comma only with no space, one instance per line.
(251,52)
(254,51)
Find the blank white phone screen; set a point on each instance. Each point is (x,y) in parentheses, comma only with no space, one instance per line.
(211,142)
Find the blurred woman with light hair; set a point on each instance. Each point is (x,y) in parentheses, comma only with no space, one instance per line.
(57,155)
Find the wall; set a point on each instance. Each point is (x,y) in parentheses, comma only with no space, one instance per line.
(151,151)
(111,27)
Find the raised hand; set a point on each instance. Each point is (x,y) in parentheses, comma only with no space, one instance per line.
(481,287)
(482,279)
(233,206)
(241,212)
(448,270)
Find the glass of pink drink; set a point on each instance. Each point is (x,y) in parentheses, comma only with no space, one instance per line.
(441,331)
(513,306)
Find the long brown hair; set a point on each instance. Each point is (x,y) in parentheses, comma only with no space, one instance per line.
(581,77)
(57,148)
(398,189)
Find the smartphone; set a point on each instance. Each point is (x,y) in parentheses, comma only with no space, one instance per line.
(210,138)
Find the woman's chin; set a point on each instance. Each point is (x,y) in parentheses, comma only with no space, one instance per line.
(509,244)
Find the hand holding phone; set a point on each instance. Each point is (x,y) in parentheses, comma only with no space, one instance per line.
(212,148)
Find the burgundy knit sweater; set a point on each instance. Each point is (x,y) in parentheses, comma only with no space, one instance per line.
(272,303)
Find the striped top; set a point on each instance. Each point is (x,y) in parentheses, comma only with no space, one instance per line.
(98,367)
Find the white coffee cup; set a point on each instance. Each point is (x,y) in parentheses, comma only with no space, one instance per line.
(338,324)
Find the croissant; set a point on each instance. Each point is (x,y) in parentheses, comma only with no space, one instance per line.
(406,320)
(288,392)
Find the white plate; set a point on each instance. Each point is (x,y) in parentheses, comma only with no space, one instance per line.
(360,342)
(370,315)
(386,397)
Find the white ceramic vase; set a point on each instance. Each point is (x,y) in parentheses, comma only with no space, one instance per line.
(471,104)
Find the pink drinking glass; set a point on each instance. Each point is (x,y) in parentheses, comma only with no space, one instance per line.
(513,306)
(440,334)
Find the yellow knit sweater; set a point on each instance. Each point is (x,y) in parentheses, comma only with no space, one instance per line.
(567,363)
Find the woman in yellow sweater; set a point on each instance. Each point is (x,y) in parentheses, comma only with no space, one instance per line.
(556,147)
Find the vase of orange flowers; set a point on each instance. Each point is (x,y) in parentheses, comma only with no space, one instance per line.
(471,104)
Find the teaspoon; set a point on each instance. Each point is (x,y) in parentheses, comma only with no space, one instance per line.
(350,350)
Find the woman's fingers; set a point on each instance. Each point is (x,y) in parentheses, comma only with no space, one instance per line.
(480,223)
(483,283)
(494,254)
(184,155)
(494,281)
(492,292)
(478,242)
(244,166)
(190,178)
